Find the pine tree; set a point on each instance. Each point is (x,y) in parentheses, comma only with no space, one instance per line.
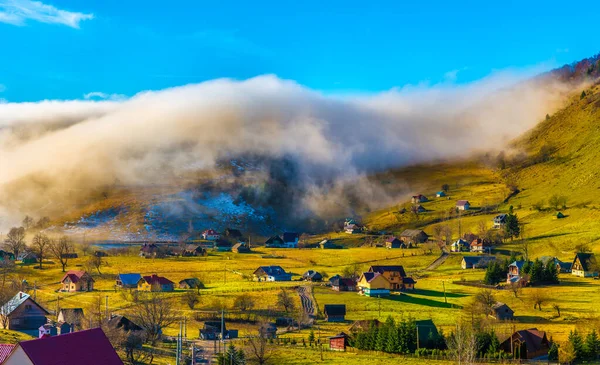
(537,272)
(382,336)
(391,344)
(576,342)
(311,336)
(553,352)
(511,227)
(591,347)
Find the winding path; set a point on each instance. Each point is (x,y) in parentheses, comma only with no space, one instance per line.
(306,300)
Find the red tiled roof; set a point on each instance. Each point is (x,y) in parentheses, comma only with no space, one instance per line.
(74,275)
(5,350)
(89,347)
(155,279)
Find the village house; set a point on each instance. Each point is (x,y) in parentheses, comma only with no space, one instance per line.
(500,220)
(96,253)
(440,194)
(274,242)
(6,256)
(148,250)
(28,257)
(215,330)
(561,267)
(416,199)
(190,283)
(412,237)
(271,273)
(339,342)
(395,275)
(515,274)
(232,234)
(373,284)
(128,281)
(393,242)
(210,235)
(418,209)
(584,265)
(335,312)
(268,330)
(155,283)
(460,245)
(339,283)
(72,316)
(75,280)
(89,347)
(351,227)
(463,205)
(222,245)
(527,344)
(193,251)
(502,312)
(54,329)
(122,323)
(21,313)
(476,262)
(312,275)
(480,245)
(290,239)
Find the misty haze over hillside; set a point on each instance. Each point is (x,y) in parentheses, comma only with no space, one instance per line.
(313,147)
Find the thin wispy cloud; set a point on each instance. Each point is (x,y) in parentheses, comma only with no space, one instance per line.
(98,95)
(18,12)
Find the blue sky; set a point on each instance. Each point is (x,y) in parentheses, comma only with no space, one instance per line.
(65,49)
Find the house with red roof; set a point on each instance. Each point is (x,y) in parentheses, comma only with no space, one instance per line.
(155,283)
(89,347)
(75,280)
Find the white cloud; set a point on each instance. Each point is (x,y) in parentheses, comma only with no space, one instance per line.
(452,75)
(98,95)
(17,12)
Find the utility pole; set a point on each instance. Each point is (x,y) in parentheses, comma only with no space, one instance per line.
(417,336)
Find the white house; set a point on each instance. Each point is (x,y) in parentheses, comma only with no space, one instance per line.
(463,205)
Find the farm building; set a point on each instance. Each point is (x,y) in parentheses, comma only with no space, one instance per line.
(274,241)
(476,262)
(394,242)
(440,194)
(240,247)
(90,347)
(526,344)
(463,205)
(268,330)
(28,258)
(128,281)
(584,265)
(561,267)
(559,215)
(290,239)
(312,275)
(215,330)
(190,283)
(75,280)
(222,245)
(122,323)
(413,237)
(271,273)
(155,283)
(5,255)
(21,313)
(502,312)
(148,250)
(416,199)
(339,283)
(373,284)
(351,227)
(193,250)
(339,342)
(335,312)
(72,316)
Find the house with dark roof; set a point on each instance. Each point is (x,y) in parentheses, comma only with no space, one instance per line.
(393,242)
(274,242)
(312,275)
(420,198)
(148,250)
(290,239)
(412,237)
(584,265)
(335,312)
(476,262)
(515,273)
(28,257)
(193,251)
(232,234)
(22,313)
(339,342)
(460,245)
(463,205)
(395,275)
(502,312)
(89,347)
(561,267)
(54,329)
(155,283)
(72,316)
(128,281)
(76,280)
(268,330)
(222,245)
(190,283)
(240,247)
(373,284)
(339,283)
(500,220)
(271,273)
(215,330)
(440,194)
(117,321)
(526,344)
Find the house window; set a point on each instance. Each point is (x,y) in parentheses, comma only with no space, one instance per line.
(27,307)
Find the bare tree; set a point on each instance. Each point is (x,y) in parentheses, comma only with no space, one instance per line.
(15,240)
(41,245)
(129,345)
(447,234)
(7,268)
(191,298)
(258,345)
(462,344)
(244,302)
(515,288)
(60,249)
(95,262)
(153,314)
(285,300)
(94,312)
(28,222)
(486,301)
(482,228)
(557,309)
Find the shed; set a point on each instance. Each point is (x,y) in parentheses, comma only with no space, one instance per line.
(339,342)
(335,312)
